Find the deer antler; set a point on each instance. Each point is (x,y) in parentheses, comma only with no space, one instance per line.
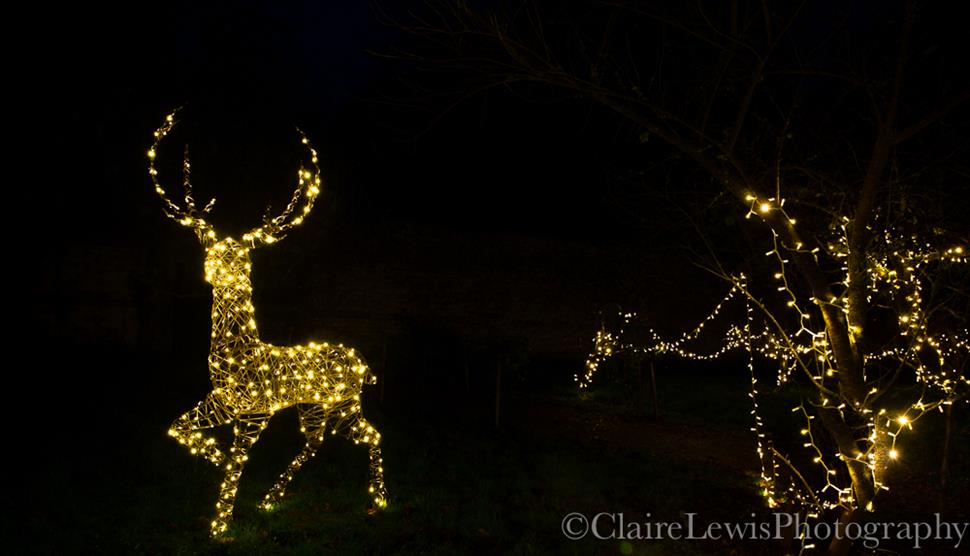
(307,189)
(188,216)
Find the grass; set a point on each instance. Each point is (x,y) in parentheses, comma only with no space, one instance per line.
(452,492)
(456,485)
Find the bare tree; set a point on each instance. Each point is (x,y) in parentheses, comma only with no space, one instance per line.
(830,125)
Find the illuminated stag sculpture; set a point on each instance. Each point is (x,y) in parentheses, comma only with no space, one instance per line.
(251,379)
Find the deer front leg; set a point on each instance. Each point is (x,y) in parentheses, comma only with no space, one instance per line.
(209,413)
(247,431)
(313,426)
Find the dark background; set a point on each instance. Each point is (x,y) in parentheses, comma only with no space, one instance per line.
(448,240)
(486,230)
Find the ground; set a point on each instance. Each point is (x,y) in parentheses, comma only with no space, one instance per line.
(457,485)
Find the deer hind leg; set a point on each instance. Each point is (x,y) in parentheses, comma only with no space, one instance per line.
(247,431)
(313,425)
(187,429)
(362,432)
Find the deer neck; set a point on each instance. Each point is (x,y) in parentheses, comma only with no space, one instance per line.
(233,316)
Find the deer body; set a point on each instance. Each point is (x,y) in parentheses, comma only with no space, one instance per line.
(252,380)
(331,376)
(256,377)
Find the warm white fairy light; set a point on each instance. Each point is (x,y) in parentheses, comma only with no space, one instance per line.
(251,379)
(895,275)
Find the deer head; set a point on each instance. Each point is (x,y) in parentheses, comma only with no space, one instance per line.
(270,231)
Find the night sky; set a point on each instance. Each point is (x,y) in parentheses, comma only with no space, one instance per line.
(451,233)
(388,150)
(415,184)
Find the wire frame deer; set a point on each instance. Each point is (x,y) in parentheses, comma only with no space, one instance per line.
(251,379)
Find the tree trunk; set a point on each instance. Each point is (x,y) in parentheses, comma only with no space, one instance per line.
(858,471)
(840,545)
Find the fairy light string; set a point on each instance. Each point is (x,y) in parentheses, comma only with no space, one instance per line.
(897,273)
(251,379)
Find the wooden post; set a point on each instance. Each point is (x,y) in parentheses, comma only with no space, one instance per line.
(383,368)
(498,392)
(653,392)
(425,362)
(641,397)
